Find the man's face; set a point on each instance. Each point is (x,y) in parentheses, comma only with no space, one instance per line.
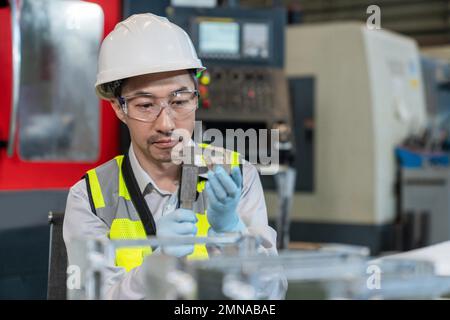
(156,139)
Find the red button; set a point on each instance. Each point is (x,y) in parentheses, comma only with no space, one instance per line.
(203,90)
(206,103)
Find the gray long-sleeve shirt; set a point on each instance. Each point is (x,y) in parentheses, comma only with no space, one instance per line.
(81,222)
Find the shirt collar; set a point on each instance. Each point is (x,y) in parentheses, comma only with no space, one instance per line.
(145,182)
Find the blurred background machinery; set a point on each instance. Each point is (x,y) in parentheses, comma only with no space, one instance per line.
(356,94)
(426,21)
(424,181)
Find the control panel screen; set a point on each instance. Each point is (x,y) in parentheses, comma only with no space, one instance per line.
(219,38)
(256,40)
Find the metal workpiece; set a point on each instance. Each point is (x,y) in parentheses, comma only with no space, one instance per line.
(299,274)
(231,239)
(95,256)
(171,278)
(85,279)
(324,272)
(190,170)
(196,161)
(94,273)
(392,278)
(167,279)
(188,185)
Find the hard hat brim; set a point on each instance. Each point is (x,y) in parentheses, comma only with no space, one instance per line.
(125,74)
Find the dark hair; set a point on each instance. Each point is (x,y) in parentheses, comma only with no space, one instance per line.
(112,89)
(193,73)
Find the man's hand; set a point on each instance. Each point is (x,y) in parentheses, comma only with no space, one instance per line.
(224,192)
(180,222)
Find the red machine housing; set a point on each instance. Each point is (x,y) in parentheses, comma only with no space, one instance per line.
(17,174)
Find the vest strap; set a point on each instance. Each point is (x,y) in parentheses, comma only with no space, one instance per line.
(89,193)
(137,198)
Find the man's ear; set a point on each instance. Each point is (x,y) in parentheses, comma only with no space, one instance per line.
(118,110)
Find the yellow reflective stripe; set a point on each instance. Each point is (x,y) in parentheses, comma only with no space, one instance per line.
(234,159)
(200,251)
(130,258)
(202,160)
(201,186)
(125,229)
(96,191)
(123,191)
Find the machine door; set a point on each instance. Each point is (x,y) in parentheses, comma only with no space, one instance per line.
(52,126)
(52,123)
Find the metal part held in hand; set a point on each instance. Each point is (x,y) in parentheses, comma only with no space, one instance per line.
(188,186)
(190,169)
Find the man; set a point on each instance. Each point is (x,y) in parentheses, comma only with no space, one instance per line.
(147,69)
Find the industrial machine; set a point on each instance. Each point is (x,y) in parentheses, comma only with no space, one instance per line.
(436,75)
(356,93)
(425,188)
(53,128)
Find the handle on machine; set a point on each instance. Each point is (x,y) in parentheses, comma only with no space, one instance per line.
(16,60)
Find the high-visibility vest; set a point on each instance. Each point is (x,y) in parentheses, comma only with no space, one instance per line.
(110,201)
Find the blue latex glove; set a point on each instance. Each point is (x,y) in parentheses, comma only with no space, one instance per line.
(180,222)
(224,192)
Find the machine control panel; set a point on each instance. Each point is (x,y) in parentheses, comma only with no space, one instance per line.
(249,94)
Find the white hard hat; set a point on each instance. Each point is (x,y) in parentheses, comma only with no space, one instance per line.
(141,44)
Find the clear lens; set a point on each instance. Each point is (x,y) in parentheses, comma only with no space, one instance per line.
(146,107)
